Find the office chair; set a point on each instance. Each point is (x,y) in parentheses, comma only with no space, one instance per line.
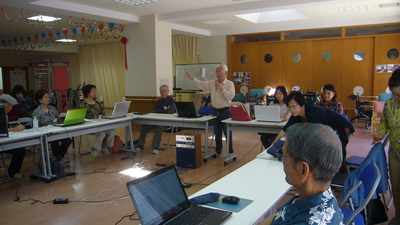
(239,98)
(385,96)
(377,154)
(369,179)
(260,92)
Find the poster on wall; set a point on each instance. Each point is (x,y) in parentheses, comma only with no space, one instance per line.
(241,78)
(387,68)
(17,76)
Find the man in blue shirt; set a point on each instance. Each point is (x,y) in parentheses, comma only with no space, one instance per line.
(312,154)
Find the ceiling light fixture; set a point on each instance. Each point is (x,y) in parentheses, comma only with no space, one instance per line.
(216,22)
(274,16)
(66,40)
(353,8)
(136,2)
(44,18)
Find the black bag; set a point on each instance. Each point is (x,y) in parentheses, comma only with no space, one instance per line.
(56,168)
(376,211)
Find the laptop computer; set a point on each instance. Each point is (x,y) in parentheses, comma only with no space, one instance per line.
(159,198)
(73,117)
(120,110)
(186,109)
(268,113)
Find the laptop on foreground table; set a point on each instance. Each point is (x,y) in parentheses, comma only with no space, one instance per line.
(73,117)
(186,109)
(159,198)
(120,110)
(268,113)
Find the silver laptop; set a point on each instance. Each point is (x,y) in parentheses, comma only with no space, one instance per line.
(120,110)
(159,198)
(267,113)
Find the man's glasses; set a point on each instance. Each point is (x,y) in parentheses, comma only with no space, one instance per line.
(292,106)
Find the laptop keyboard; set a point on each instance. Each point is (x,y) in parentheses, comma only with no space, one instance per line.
(192,216)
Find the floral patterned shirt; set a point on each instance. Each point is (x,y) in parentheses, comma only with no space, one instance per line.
(332,105)
(94,110)
(390,122)
(46,118)
(321,209)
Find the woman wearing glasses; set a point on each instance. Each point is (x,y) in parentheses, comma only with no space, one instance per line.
(305,113)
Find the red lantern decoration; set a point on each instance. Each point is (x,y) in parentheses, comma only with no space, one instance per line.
(50,35)
(36,36)
(21,39)
(65,32)
(83,29)
(124,41)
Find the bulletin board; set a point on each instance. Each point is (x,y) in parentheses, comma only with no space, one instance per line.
(202,71)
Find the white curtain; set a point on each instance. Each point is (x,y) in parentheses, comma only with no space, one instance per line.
(185,50)
(103,65)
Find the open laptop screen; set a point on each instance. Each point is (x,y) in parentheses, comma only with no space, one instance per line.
(158,196)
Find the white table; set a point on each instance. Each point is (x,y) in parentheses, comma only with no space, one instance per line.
(162,119)
(262,181)
(28,137)
(52,133)
(249,126)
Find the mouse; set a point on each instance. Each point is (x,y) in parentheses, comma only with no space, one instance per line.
(233,200)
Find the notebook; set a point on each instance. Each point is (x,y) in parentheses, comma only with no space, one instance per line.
(186,109)
(73,117)
(159,198)
(268,113)
(120,110)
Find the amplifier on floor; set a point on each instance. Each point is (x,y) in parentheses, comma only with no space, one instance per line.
(188,151)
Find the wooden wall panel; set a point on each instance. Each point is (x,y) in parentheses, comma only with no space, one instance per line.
(237,50)
(326,72)
(382,45)
(269,73)
(296,73)
(357,73)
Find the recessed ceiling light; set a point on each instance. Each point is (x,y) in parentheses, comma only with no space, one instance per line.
(136,2)
(44,18)
(66,40)
(274,16)
(216,22)
(353,8)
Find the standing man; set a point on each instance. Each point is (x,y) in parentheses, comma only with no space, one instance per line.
(222,92)
(18,153)
(165,104)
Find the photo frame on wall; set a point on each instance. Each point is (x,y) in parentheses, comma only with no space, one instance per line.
(242,78)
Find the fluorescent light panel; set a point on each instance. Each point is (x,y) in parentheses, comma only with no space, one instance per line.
(66,40)
(216,22)
(274,16)
(353,8)
(136,2)
(44,18)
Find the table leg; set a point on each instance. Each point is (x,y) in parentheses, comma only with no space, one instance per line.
(228,143)
(206,155)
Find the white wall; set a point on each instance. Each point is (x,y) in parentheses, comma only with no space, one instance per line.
(213,49)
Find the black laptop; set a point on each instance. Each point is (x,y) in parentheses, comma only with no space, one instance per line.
(186,109)
(159,198)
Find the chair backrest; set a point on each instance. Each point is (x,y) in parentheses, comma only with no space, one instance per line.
(378,107)
(385,96)
(260,92)
(205,110)
(368,179)
(239,98)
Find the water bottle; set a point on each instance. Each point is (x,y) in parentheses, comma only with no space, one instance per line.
(35,123)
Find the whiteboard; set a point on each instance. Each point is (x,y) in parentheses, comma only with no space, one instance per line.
(203,72)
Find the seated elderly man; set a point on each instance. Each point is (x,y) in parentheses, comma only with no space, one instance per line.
(312,154)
